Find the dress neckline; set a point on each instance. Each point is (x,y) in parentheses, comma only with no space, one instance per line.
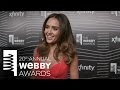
(61,61)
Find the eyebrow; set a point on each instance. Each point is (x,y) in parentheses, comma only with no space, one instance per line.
(53,26)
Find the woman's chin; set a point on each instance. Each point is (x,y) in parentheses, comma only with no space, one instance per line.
(50,42)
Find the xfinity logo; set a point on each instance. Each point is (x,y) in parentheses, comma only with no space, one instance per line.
(85,12)
(10,60)
(13,14)
(86,67)
(115,39)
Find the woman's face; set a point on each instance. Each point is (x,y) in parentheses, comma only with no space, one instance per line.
(52,31)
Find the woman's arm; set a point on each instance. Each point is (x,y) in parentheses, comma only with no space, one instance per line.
(74,73)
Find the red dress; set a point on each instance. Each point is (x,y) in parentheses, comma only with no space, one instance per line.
(57,71)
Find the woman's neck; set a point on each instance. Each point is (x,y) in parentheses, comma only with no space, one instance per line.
(52,48)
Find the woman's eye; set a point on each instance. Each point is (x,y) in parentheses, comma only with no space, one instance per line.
(55,29)
(46,26)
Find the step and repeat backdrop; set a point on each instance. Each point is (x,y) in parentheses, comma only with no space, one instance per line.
(97,34)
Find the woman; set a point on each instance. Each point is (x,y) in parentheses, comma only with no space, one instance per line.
(58,45)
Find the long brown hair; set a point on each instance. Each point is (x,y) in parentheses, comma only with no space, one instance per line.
(66,43)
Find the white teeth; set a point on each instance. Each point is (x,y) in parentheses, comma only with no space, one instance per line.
(49,37)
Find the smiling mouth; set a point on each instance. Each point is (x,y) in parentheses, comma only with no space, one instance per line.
(50,37)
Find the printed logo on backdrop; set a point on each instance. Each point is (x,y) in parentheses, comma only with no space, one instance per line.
(114,68)
(116,13)
(84,40)
(85,12)
(82,67)
(16,14)
(13,40)
(79,38)
(115,39)
(10,61)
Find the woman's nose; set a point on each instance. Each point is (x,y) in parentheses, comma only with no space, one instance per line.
(50,30)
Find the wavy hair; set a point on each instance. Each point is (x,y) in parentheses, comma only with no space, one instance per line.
(66,42)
